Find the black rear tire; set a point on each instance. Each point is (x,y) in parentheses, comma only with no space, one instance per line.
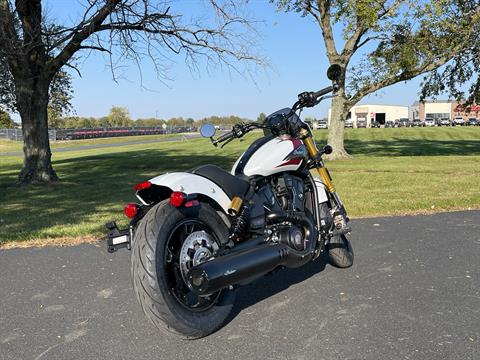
(340,252)
(152,275)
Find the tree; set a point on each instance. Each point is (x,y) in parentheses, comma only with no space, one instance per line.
(261,117)
(60,97)
(60,94)
(6,121)
(36,50)
(149,122)
(176,121)
(118,117)
(460,77)
(395,41)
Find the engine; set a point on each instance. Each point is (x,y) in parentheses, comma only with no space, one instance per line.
(285,194)
(289,193)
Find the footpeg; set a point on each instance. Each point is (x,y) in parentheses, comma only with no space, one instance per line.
(342,231)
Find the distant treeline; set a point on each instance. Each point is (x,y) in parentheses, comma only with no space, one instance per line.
(120,117)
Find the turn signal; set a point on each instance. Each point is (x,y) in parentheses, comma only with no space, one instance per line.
(130,210)
(143,185)
(177,198)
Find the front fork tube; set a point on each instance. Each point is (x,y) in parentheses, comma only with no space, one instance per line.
(327,181)
(322,171)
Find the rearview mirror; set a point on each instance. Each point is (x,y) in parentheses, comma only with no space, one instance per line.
(334,72)
(327,149)
(207,130)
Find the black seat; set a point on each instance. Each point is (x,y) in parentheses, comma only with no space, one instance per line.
(232,185)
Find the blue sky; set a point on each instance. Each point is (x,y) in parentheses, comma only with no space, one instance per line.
(297,59)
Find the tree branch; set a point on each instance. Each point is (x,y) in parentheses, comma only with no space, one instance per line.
(9,40)
(423,68)
(323,18)
(93,47)
(79,36)
(351,45)
(406,75)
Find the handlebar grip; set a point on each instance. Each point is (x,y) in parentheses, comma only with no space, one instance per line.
(324,91)
(224,137)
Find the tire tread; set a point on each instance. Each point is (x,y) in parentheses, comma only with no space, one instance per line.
(146,280)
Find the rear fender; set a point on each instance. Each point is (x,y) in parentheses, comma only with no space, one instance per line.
(163,185)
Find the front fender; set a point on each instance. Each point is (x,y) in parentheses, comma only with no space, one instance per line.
(188,183)
(321,191)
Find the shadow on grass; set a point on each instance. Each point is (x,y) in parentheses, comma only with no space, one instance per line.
(408,147)
(91,186)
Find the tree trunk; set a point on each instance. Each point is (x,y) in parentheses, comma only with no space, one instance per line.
(336,128)
(32,103)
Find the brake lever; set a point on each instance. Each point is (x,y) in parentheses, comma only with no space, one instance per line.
(214,142)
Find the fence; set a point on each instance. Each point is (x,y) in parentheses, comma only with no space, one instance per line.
(12,134)
(92,133)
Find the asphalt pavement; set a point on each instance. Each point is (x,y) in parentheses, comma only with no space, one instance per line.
(413,293)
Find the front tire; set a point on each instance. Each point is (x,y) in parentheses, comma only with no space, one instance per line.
(156,271)
(340,252)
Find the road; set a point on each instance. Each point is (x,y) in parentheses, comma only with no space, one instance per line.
(109,145)
(413,293)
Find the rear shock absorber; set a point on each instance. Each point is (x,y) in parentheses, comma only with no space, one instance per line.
(240,226)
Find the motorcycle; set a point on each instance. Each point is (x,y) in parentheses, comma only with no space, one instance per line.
(196,236)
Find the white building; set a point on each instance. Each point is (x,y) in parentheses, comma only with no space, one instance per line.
(371,113)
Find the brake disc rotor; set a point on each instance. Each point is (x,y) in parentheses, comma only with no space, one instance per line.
(197,248)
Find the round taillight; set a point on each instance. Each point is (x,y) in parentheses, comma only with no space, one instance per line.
(130,210)
(177,198)
(143,185)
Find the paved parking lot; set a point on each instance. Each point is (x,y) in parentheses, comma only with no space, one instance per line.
(413,293)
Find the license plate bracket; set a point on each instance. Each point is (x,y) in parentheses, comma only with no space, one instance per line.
(118,238)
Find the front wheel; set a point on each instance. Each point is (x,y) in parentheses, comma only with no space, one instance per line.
(167,243)
(340,251)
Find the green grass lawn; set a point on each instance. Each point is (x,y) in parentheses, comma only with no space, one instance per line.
(394,171)
(10,145)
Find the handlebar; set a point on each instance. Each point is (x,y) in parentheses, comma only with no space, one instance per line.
(237,132)
(311,98)
(305,99)
(324,91)
(224,137)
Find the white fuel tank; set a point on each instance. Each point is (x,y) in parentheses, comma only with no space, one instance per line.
(267,156)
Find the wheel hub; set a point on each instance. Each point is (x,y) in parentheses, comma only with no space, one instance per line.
(197,248)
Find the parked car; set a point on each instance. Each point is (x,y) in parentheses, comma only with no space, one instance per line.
(322,125)
(473,122)
(390,124)
(458,120)
(349,123)
(444,122)
(429,122)
(416,123)
(361,123)
(403,122)
(375,124)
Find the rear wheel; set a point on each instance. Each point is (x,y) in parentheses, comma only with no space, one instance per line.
(168,242)
(340,252)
